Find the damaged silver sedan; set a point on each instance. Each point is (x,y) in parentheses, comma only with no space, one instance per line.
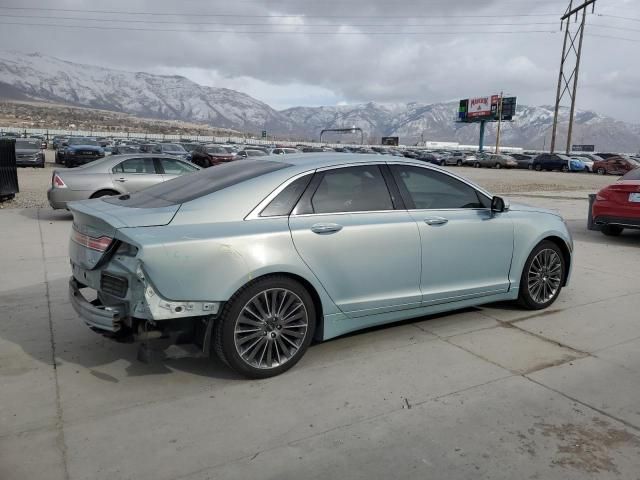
(254,259)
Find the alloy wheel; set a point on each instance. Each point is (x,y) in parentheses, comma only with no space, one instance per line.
(271,328)
(544,277)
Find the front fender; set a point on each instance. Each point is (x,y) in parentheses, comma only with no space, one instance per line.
(531,228)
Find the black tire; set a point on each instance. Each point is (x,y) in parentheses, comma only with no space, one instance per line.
(530,167)
(224,341)
(459,163)
(498,166)
(477,165)
(565,169)
(538,167)
(601,171)
(612,230)
(104,193)
(442,163)
(525,296)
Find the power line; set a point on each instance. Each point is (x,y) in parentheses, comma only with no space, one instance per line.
(138,29)
(614,38)
(612,27)
(629,19)
(305,25)
(244,15)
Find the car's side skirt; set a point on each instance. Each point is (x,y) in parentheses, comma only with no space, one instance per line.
(339,324)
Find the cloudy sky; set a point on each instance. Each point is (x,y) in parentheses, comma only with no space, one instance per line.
(326,52)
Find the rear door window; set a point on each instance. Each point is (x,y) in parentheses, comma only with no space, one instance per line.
(172,166)
(352,189)
(135,165)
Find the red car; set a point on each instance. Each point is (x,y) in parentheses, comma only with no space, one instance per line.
(617,206)
(209,155)
(614,166)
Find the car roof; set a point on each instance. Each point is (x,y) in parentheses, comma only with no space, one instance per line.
(107,163)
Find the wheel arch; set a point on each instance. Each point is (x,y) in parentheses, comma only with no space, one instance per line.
(111,191)
(315,296)
(566,254)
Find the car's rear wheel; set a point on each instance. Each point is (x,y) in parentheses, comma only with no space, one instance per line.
(565,169)
(477,164)
(612,230)
(266,327)
(459,163)
(498,166)
(538,168)
(601,171)
(542,276)
(442,163)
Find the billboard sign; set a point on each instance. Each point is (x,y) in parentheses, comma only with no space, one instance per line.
(583,148)
(482,106)
(486,108)
(390,141)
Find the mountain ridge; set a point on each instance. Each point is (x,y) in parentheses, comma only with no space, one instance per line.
(175,97)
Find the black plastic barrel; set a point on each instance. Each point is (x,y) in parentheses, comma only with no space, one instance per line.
(8,170)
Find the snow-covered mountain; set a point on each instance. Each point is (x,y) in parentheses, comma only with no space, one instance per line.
(156,96)
(37,77)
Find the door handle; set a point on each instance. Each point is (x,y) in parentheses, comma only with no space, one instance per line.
(322,228)
(435,220)
(121,179)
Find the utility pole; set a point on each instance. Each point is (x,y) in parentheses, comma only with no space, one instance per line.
(499,124)
(568,49)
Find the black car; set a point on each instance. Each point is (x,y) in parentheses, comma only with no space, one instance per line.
(551,161)
(428,157)
(29,153)
(79,151)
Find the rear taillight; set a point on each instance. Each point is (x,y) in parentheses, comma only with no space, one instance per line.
(100,244)
(56,181)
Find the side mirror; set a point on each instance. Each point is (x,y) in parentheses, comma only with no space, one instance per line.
(498,204)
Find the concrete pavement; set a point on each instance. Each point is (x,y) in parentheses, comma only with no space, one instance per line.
(493,392)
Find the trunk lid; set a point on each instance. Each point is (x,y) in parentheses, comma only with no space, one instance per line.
(95,223)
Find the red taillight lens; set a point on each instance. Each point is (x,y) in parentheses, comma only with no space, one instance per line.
(99,244)
(56,181)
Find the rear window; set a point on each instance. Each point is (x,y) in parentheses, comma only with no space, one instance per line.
(189,187)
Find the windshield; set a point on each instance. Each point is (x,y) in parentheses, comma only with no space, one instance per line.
(27,145)
(83,141)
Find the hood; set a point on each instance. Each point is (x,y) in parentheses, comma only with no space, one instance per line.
(521,207)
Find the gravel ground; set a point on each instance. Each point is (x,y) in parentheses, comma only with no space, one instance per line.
(34,182)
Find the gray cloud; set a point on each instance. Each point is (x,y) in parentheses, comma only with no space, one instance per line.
(293,69)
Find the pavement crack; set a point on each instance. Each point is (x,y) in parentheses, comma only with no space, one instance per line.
(584,404)
(60,440)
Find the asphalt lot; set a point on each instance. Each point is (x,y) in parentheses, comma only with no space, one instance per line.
(493,392)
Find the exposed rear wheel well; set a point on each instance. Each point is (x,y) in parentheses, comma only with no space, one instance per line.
(319,333)
(104,193)
(566,254)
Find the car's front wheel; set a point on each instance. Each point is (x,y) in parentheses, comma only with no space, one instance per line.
(542,276)
(601,171)
(266,327)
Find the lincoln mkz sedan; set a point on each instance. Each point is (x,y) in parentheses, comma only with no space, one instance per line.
(252,260)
